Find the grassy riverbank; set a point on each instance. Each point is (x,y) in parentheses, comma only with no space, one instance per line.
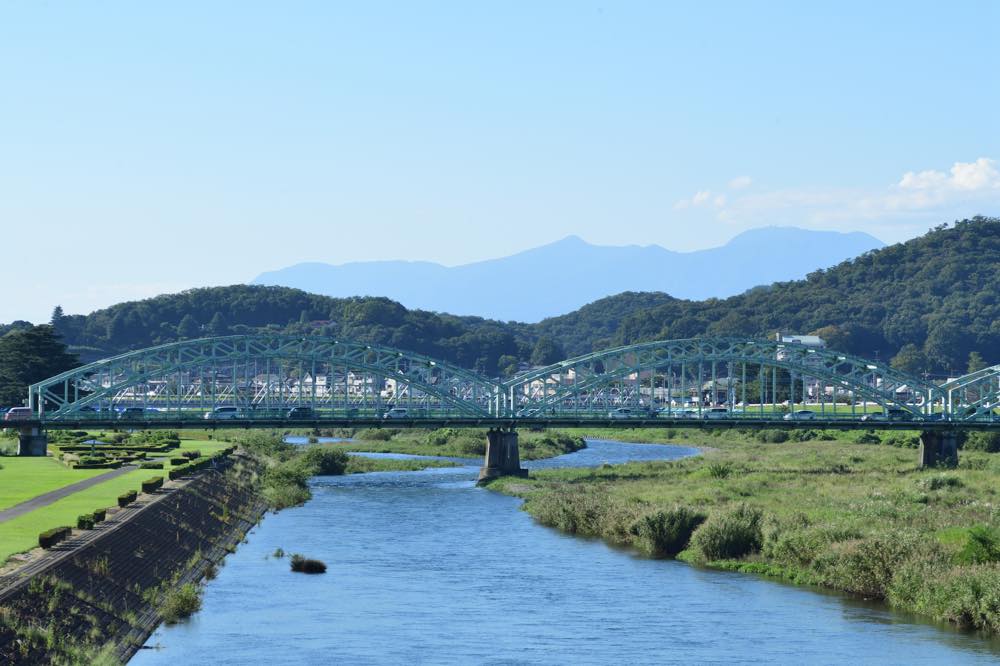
(855,517)
(461,443)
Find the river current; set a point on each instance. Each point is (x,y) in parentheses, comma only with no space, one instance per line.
(424,567)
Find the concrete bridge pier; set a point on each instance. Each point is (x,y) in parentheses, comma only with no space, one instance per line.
(502,456)
(32,442)
(938,448)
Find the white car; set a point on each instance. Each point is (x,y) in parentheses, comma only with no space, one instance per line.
(19,414)
(715,413)
(621,413)
(800,415)
(396,413)
(223,413)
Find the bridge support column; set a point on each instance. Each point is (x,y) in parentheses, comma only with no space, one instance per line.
(503,458)
(938,448)
(32,442)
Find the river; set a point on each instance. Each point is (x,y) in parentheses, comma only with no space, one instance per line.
(424,567)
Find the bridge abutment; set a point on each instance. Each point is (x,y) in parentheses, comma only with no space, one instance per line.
(503,458)
(938,448)
(32,442)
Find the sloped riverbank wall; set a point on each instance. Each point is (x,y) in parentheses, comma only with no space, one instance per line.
(101,596)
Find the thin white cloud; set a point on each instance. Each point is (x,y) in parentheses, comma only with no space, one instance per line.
(967,188)
(740,183)
(701,198)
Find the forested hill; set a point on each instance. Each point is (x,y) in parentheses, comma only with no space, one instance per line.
(927,303)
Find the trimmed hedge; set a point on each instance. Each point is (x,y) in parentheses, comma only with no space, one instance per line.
(127,498)
(85,522)
(99,515)
(152,485)
(49,538)
(151,465)
(178,461)
(191,454)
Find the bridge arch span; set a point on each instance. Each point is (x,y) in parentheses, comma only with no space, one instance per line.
(264,372)
(749,371)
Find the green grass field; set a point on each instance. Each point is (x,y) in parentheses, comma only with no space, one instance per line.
(24,478)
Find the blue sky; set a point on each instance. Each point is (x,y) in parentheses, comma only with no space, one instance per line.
(146,149)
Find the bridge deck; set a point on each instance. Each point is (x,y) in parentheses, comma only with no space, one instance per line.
(69,423)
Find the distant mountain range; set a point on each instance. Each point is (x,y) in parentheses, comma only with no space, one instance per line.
(554,279)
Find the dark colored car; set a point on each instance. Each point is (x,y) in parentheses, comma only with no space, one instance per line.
(301,413)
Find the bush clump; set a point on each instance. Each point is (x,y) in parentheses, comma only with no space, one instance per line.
(306,565)
(982,546)
(869,437)
(152,485)
(325,460)
(666,533)
(51,537)
(772,436)
(151,465)
(127,498)
(180,603)
(982,441)
(99,515)
(85,521)
(730,534)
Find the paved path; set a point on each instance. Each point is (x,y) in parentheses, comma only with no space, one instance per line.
(59,493)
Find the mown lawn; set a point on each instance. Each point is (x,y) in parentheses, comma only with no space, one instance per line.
(24,478)
(21,533)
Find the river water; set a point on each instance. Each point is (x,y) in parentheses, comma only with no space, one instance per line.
(426,568)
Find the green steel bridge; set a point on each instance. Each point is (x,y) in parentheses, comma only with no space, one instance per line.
(266,381)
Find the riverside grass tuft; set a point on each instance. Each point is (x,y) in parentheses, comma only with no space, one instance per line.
(836,510)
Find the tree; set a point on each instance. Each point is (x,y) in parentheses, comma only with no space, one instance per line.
(28,356)
(217,326)
(976,361)
(188,328)
(57,316)
(507,365)
(546,351)
(909,359)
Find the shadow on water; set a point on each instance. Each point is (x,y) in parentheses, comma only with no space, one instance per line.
(424,567)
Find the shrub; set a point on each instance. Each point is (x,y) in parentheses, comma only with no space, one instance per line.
(99,515)
(178,461)
(191,455)
(325,461)
(869,437)
(981,547)
(306,565)
(720,470)
(152,485)
(902,440)
(666,533)
(85,522)
(983,441)
(375,435)
(151,465)
(730,534)
(772,436)
(51,537)
(127,498)
(181,603)
(866,566)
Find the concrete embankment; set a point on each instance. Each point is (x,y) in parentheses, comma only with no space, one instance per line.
(101,594)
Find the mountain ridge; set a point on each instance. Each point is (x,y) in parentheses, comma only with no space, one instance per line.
(505,287)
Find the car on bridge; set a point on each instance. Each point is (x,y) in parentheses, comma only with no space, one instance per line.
(800,415)
(301,413)
(677,413)
(624,413)
(132,413)
(19,414)
(220,413)
(894,414)
(404,413)
(716,413)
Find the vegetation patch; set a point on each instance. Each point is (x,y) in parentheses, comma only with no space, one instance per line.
(302,564)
